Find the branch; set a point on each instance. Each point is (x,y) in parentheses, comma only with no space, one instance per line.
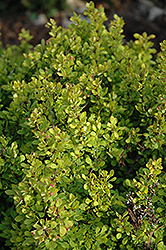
(51,115)
(149,240)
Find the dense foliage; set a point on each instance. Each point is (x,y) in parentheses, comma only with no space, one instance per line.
(82,153)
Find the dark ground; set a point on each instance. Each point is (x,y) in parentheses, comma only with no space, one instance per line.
(139,16)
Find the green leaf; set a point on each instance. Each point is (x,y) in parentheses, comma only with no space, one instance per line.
(14,145)
(97,230)
(127,182)
(91,142)
(68,223)
(10,192)
(29,241)
(116,135)
(64,245)
(52,165)
(88,160)
(145,190)
(113,120)
(28,221)
(111,173)
(155,198)
(28,233)
(71,242)
(27,198)
(159,210)
(58,202)
(118,236)
(128,140)
(2,227)
(19,239)
(19,218)
(21,132)
(53,224)
(104,228)
(87,201)
(62,230)
(96,203)
(86,186)
(22,158)
(113,179)
(88,244)
(161,245)
(125,240)
(162,192)
(99,126)
(84,176)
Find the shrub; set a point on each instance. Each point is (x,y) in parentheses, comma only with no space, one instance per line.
(84,130)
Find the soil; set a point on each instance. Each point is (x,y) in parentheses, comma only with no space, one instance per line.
(137,16)
(11,26)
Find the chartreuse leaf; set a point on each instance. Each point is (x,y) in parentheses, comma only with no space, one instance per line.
(27,198)
(72,243)
(118,236)
(113,120)
(84,176)
(59,202)
(127,182)
(53,224)
(88,160)
(68,223)
(111,173)
(124,241)
(62,230)
(65,245)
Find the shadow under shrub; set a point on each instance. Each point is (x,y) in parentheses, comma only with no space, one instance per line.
(85,128)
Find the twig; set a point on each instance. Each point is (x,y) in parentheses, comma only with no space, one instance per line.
(51,115)
(85,105)
(149,240)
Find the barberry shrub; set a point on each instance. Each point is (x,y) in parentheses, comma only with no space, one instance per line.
(83,140)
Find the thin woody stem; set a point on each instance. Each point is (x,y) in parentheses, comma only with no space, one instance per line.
(150,236)
(51,115)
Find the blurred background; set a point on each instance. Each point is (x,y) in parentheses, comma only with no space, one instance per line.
(139,16)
